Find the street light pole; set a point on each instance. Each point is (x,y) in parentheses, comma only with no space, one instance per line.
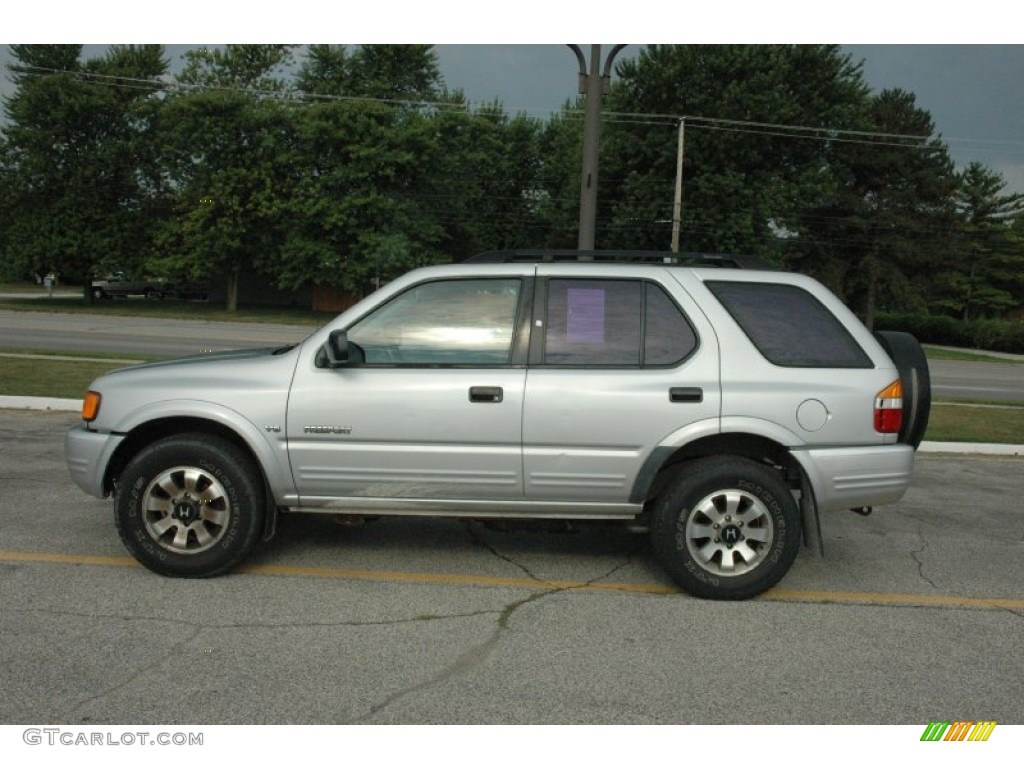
(594,84)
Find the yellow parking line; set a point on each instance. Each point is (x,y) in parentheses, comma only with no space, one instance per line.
(894,598)
(56,557)
(408,577)
(456,578)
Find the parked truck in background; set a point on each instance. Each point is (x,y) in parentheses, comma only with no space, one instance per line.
(118,284)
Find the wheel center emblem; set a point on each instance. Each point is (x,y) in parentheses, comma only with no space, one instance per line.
(186,512)
(731,534)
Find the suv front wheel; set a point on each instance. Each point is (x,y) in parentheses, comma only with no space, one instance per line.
(190,505)
(726,528)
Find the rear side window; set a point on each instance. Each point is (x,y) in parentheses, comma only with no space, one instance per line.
(789,326)
(593,322)
(620,323)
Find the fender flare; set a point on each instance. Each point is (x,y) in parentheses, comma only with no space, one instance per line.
(273,461)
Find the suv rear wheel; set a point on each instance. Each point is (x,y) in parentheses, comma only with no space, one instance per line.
(727,528)
(190,505)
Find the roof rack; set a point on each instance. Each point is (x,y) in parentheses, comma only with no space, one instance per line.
(569,256)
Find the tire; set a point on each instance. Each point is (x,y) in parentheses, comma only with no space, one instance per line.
(715,499)
(153,294)
(99,294)
(190,506)
(912,364)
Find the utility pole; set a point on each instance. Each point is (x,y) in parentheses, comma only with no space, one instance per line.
(593,84)
(677,206)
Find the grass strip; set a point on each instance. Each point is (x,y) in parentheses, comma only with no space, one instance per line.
(958,424)
(36,377)
(936,353)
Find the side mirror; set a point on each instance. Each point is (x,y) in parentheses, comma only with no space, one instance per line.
(340,352)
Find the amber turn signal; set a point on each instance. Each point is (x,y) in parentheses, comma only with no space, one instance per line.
(91,405)
(889,409)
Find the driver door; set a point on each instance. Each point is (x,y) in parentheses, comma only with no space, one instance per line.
(433,412)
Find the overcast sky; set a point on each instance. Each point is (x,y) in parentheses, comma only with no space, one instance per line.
(973,91)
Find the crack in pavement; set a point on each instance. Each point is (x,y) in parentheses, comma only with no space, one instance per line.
(925,545)
(199,627)
(920,563)
(476,656)
(478,540)
(258,625)
(144,669)
(475,538)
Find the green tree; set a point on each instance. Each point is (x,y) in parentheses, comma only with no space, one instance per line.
(355,211)
(225,145)
(1017,238)
(987,277)
(326,70)
(558,196)
(224,151)
(482,179)
(238,67)
(889,220)
(396,72)
(9,268)
(363,208)
(383,72)
(745,176)
(78,194)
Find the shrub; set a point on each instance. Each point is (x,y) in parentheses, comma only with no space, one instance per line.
(993,335)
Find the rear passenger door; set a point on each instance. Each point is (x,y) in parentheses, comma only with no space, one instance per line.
(617,364)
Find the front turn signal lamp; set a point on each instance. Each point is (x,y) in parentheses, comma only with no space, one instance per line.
(889,409)
(91,406)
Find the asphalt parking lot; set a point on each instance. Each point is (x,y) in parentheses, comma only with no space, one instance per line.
(913,614)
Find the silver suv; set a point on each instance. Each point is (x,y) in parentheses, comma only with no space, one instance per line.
(718,406)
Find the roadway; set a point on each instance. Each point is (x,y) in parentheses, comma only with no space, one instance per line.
(959,379)
(160,337)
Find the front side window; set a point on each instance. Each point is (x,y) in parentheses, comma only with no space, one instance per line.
(448,322)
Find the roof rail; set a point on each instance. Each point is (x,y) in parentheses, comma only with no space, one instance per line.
(569,256)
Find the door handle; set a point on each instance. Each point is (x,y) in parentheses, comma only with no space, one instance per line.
(686,395)
(486,394)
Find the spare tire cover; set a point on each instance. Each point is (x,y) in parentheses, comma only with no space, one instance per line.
(912,364)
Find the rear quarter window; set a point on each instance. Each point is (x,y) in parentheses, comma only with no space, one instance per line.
(789,326)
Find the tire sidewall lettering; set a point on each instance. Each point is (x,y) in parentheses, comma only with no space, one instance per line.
(240,483)
(706,477)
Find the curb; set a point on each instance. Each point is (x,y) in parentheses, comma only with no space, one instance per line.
(40,403)
(987,449)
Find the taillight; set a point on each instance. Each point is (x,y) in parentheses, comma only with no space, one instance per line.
(91,405)
(889,409)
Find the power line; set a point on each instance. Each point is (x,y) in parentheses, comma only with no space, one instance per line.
(778,130)
(710,123)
